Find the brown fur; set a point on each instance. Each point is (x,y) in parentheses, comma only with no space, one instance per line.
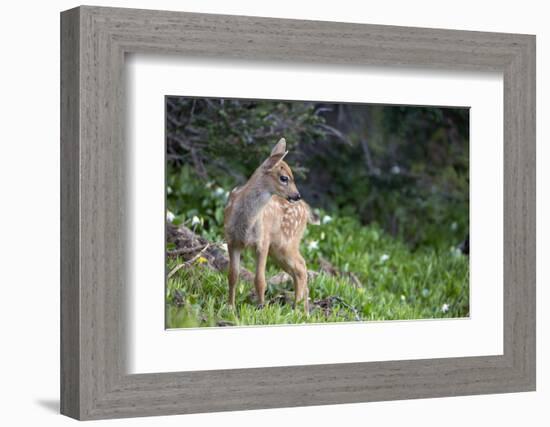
(259,215)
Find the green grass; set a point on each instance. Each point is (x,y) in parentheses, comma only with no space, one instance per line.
(396,283)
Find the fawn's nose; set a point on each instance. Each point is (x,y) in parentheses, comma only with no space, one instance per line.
(295,197)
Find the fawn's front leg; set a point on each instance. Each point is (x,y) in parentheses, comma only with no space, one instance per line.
(259,279)
(234,269)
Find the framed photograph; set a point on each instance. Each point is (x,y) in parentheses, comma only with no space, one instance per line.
(261,213)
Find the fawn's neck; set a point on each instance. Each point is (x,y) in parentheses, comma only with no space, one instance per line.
(252,200)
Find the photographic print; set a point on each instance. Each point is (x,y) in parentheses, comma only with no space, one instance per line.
(295,212)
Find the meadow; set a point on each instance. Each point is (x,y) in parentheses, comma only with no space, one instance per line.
(373,276)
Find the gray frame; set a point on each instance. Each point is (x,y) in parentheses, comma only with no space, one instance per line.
(94,383)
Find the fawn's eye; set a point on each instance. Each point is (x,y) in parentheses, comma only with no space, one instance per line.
(283,179)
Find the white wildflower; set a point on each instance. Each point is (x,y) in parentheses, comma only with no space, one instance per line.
(384,257)
(195,220)
(403,298)
(396,170)
(170,216)
(455,252)
(219,191)
(224,246)
(326,219)
(445,308)
(312,245)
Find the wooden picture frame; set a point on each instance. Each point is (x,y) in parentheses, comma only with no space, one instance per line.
(94,382)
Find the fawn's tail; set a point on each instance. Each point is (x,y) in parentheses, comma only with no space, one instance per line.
(312,217)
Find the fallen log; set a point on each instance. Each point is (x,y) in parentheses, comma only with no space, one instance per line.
(188,244)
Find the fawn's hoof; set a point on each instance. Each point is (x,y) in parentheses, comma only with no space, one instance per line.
(302,304)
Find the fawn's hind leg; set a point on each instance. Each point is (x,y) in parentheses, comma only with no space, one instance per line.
(299,274)
(293,263)
(234,269)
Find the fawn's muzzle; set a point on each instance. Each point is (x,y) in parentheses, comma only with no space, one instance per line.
(294,197)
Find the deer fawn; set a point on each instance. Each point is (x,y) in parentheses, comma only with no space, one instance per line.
(267,215)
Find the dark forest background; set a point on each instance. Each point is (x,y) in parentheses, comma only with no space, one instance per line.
(403,168)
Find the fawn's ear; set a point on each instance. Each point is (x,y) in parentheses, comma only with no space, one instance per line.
(277,154)
(279,148)
(272,161)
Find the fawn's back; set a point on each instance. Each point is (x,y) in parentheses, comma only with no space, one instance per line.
(280,223)
(285,223)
